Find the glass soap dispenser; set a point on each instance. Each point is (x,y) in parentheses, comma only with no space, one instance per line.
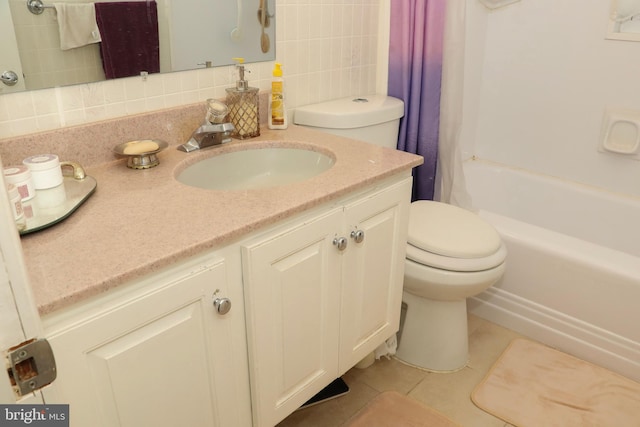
(242,101)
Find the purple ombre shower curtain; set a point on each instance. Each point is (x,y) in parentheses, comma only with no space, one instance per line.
(415,74)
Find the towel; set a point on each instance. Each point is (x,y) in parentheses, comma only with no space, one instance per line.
(130,42)
(77,24)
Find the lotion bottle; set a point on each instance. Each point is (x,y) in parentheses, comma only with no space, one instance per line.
(243,104)
(277,110)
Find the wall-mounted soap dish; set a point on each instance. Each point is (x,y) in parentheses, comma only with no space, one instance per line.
(621,133)
(141,154)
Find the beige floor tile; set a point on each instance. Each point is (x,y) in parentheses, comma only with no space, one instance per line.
(387,374)
(473,322)
(333,412)
(448,393)
(486,343)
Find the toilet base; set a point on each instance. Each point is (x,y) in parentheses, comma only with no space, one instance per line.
(434,335)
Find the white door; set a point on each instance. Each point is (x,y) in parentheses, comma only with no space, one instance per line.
(18,315)
(9,57)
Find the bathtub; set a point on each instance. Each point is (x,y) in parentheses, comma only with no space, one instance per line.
(573,267)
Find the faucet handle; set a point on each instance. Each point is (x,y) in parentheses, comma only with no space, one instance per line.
(216,111)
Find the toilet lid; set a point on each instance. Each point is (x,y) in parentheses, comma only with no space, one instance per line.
(456,264)
(450,231)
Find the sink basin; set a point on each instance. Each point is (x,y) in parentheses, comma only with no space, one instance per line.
(255,168)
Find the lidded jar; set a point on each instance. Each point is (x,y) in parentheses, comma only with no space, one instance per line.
(45,170)
(20,176)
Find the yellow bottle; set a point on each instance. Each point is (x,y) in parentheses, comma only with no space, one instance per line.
(277,110)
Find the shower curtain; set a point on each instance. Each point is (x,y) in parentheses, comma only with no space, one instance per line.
(426,64)
(415,74)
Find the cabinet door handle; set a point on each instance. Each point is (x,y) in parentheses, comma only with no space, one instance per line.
(222,305)
(340,243)
(357,236)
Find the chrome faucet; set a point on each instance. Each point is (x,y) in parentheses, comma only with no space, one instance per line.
(208,135)
(213,130)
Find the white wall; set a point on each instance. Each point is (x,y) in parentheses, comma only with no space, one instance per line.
(539,76)
(328,50)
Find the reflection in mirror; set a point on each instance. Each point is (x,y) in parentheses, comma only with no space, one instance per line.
(184,34)
(624,20)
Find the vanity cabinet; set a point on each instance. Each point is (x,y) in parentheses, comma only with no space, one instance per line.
(157,352)
(320,295)
(311,297)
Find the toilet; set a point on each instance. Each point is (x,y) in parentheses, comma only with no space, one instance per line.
(452,253)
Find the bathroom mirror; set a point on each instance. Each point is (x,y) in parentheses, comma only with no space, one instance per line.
(624,20)
(191,34)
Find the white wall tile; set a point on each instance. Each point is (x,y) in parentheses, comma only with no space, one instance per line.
(21,107)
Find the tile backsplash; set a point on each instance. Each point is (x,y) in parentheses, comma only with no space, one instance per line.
(328,49)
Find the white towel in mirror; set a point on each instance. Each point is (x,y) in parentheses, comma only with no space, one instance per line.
(77,24)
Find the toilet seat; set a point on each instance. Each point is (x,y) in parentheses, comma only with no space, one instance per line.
(456,264)
(451,238)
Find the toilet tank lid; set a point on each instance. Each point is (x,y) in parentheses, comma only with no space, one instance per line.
(351,112)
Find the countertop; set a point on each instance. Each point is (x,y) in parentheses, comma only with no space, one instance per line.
(139,221)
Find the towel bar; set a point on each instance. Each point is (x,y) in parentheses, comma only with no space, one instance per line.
(37,6)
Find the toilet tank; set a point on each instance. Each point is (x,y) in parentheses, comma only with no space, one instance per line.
(373,118)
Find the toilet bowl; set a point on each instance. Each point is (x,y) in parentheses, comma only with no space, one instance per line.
(452,254)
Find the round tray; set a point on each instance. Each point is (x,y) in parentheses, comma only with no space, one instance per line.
(140,158)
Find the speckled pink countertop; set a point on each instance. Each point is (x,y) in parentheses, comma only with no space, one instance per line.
(136,221)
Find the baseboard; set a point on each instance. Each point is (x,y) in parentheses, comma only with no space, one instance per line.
(558,330)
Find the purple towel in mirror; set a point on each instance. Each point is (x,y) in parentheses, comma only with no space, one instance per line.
(129,32)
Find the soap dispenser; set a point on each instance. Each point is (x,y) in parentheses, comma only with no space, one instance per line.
(242,101)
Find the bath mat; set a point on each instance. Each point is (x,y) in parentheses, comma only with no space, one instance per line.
(392,409)
(534,385)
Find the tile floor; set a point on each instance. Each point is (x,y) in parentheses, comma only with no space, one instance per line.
(447,393)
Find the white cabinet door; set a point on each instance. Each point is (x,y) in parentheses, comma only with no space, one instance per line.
(292,294)
(148,360)
(314,311)
(373,272)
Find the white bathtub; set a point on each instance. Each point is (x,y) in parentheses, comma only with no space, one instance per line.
(573,266)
